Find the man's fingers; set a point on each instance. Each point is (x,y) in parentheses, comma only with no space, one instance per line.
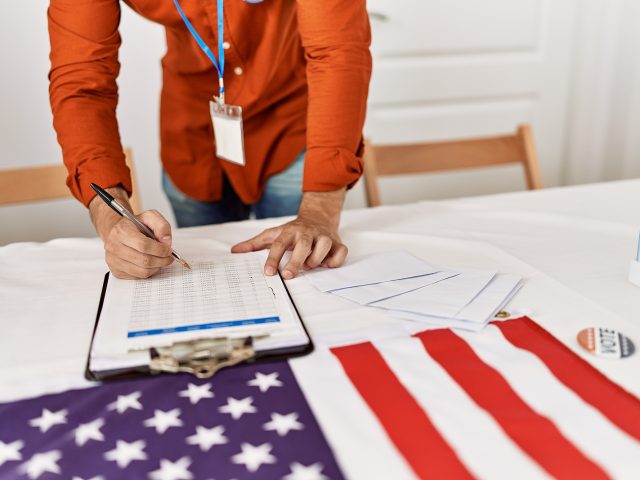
(278,247)
(127,234)
(301,251)
(320,250)
(259,242)
(137,258)
(130,254)
(336,257)
(121,275)
(158,224)
(124,269)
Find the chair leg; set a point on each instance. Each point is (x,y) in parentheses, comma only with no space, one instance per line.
(370,175)
(531,164)
(134,201)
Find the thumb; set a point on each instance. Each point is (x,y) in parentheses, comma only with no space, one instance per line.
(158,224)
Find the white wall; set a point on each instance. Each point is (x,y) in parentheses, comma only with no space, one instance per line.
(26,133)
(600,134)
(603,134)
(464,69)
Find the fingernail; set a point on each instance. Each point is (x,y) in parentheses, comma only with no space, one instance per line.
(287,274)
(269,270)
(166,239)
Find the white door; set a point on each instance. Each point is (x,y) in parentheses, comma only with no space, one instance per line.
(460,68)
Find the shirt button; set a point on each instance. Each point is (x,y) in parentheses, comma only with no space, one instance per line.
(226,45)
(238,70)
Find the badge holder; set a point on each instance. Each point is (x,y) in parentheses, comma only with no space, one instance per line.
(227,129)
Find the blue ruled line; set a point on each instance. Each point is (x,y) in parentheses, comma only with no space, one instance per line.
(203,326)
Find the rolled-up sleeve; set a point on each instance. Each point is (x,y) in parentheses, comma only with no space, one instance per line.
(336,38)
(84,94)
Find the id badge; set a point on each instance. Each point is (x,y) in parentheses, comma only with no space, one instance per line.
(227,129)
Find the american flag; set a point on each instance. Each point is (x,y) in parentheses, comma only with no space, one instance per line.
(508,402)
(251,421)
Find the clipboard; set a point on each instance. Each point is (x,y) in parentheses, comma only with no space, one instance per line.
(202,356)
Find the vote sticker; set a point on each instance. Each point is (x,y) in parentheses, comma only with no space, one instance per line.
(606,343)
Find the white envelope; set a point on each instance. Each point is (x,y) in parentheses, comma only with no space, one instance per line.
(442,299)
(490,300)
(430,321)
(479,312)
(366,294)
(381,267)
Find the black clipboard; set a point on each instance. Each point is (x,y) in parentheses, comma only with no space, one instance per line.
(145,370)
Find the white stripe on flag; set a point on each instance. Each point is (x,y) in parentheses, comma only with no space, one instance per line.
(579,422)
(360,444)
(474,435)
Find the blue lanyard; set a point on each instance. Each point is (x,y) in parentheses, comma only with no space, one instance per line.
(219,66)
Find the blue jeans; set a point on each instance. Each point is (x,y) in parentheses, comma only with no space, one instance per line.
(281,197)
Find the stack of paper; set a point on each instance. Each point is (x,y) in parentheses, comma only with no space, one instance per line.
(409,288)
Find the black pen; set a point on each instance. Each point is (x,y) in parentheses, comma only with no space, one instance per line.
(120,210)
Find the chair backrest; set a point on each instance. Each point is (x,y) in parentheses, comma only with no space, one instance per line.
(384,160)
(34,184)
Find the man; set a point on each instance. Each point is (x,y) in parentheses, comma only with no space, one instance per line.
(300,70)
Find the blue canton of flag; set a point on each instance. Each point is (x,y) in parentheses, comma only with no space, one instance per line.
(251,421)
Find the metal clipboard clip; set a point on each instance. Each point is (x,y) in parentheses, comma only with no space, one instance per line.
(202,357)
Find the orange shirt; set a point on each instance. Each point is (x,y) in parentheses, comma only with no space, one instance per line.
(300,70)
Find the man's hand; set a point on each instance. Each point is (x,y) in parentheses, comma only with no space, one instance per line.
(129,253)
(313,236)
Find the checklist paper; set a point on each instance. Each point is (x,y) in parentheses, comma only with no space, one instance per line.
(224,295)
(465,299)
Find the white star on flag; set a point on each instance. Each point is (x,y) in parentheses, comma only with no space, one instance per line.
(265,382)
(48,419)
(178,470)
(207,437)
(125,452)
(89,431)
(236,408)
(162,420)
(125,402)
(41,463)
(301,472)
(97,477)
(195,393)
(283,424)
(253,457)
(10,451)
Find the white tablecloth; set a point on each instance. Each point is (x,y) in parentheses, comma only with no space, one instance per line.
(572,244)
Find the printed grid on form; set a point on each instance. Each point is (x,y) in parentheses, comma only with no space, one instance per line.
(225,293)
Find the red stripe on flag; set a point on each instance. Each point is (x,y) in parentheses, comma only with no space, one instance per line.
(405,422)
(615,403)
(534,433)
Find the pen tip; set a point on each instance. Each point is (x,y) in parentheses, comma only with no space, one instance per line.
(184,264)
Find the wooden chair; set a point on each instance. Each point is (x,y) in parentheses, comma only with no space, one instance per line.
(382,160)
(33,184)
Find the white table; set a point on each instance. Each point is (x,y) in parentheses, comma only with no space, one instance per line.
(572,244)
